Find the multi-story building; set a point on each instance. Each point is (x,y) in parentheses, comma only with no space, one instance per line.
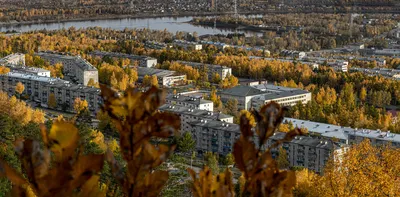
(222,71)
(284,98)
(339,65)
(214,136)
(376,137)
(385,72)
(189,115)
(31,70)
(188,45)
(165,78)
(326,131)
(190,101)
(75,68)
(13,59)
(144,61)
(259,95)
(293,54)
(306,151)
(39,88)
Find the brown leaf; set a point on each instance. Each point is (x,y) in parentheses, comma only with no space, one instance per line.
(11,174)
(245,155)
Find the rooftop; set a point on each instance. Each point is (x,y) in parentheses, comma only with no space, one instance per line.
(188,99)
(325,130)
(283,94)
(376,134)
(121,55)
(217,125)
(194,112)
(310,141)
(142,71)
(29,69)
(79,61)
(32,77)
(243,91)
(197,64)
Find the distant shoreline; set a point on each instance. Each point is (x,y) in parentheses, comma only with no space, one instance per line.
(192,14)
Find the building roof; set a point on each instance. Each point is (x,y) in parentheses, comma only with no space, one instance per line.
(217,125)
(376,134)
(272,88)
(278,95)
(325,130)
(142,71)
(28,69)
(194,112)
(32,77)
(197,64)
(242,91)
(121,55)
(78,60)
(188,99)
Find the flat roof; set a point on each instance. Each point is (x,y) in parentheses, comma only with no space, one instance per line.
(376,134)
(187,99)
(142,71)
(28,69)
(217,125)
(326,130)
(197,64)
(78,60)
(32,77)
(194,112)
(121,55)
(278,95)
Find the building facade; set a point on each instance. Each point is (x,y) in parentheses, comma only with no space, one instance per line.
(77,69)
(166,78)
(190,102)
(39,89)
(188,115)
(211,69)
(188,45)
(144,61)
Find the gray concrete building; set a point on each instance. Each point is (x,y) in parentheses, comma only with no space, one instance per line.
(214,136)
(165,78)
(144,61)
(30,70)
(376,137)
(190,102)
(75,68)
(212,69)
(39,88)
(308,152)
(189,115)
(13,59)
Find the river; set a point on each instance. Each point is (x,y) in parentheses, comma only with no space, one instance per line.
(171,24)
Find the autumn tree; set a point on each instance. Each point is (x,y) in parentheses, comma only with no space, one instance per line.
(4,70)
(154,81)
(52,102)
(229,159)
(80,105)
(19,88)
(91,82)
(211,160)
(363,94)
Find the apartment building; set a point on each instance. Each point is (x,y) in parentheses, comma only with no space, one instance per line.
(214,136)
(190,102)
(31,70)
(339,65)
(293,54)
(385,72)
(306,151)
(259,95)
(144,61)
(376,137)
(165,78)
(326,131)
(188,45)
(39,88)
(189,115)
(75,68)
(13,59)
(285,98)
(222,71)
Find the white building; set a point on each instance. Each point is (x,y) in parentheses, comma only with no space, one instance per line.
(165,78)
(339,65)
(190,102)
(284,98)
(31,70)
(13,59)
